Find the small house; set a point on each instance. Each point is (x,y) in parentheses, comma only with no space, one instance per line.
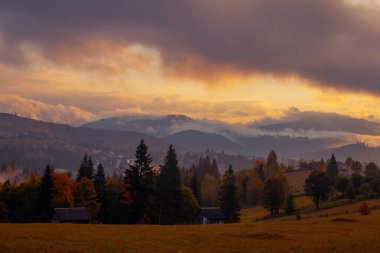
(210,215)
(71,215)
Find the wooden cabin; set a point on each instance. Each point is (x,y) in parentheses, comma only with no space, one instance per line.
(210,215)
(71,215)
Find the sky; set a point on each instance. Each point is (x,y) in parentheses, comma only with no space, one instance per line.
(237,61)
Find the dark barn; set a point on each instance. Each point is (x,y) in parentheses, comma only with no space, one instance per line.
(210,215)
(71,215)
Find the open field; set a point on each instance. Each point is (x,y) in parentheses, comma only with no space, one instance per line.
(250,214)
(360,234)
(296,180)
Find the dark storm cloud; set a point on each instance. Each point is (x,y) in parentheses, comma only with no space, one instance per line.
(332,43)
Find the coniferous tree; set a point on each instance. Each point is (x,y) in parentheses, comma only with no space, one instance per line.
(196,187)
(86,168)
(228,197)
(139,185)
(100,185)
(272,165)
(169,190)
(83,169)
(100,180)
(90,169)
(215,169)
(332,170)
(45,195)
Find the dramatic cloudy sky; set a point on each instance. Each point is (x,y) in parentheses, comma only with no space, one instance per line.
(233,60)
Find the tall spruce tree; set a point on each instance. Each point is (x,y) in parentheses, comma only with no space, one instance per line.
(272,165)
(100,180)
(86,168)
(83,167)
(169,190)
(139,184)
(332,170)
(215,170)
(45,195)
(196,187)
(100,188)
(90,169)
(228,197)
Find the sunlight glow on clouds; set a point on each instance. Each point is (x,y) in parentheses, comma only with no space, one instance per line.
(205,60)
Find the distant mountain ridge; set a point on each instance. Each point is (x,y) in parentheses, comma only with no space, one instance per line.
(358,151)
(157,126)
(308,121)
(35,143)
(200,135)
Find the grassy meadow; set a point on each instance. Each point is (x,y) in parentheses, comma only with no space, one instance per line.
(354,233)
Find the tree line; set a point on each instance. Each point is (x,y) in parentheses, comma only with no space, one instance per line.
(322,185)
(143,193)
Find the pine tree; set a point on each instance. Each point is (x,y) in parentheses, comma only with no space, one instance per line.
(196,187)
(272,165)
(228,197)
(90,169)
(169,190)
(82,172)
(45,195)
(139,184)
(215,169)
(100,185)
(332,170)
(100,180)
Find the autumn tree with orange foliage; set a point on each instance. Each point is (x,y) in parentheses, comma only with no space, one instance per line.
(62,190)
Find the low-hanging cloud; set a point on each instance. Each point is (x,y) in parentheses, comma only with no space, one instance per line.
(331,43)
(35,109)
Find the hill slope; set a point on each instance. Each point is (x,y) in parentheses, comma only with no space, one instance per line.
(358,151)
(33,143)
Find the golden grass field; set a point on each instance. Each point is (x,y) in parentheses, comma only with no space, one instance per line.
(361,234)
(297,180)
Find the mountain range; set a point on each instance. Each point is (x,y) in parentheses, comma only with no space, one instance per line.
(34,143)
(312,135)
(113,141)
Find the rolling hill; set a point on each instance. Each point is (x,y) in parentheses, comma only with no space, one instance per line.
(358,151)
(34,143)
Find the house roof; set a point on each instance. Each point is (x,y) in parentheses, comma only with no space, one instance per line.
(71,214)
(211,213)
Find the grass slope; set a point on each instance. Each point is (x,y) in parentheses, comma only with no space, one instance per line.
(314,235)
